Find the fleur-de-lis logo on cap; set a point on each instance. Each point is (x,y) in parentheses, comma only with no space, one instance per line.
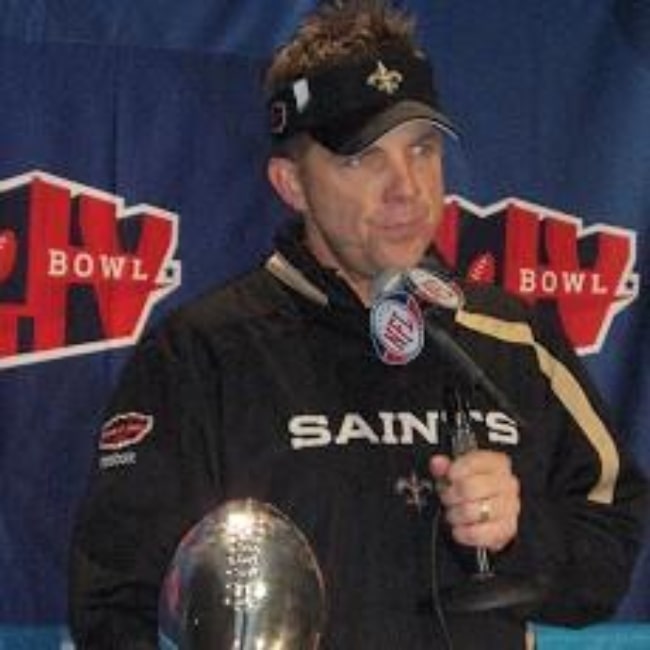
(385,80)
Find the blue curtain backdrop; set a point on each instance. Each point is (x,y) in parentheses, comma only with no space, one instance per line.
(132,178)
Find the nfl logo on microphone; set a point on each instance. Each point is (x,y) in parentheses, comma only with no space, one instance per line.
(397,328)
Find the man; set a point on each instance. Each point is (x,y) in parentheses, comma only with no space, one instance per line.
(272,388)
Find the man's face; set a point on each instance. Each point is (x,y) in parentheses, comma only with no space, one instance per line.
(371,211)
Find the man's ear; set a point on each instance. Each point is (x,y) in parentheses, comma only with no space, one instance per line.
(283,176)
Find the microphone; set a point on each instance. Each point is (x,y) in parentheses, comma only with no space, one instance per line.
(486,590)
(438,293)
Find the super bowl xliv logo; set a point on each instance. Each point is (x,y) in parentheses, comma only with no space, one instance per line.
(544,255)
(79,273)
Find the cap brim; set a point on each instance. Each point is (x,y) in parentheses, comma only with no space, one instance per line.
(355,133)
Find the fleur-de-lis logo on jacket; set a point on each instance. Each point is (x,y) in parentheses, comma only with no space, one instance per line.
(415,490)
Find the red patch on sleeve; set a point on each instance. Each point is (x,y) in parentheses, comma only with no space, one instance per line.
(125,430)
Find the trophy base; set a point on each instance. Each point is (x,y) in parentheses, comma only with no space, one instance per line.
(484,592)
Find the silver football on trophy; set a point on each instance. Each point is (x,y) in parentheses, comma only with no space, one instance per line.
(243,578)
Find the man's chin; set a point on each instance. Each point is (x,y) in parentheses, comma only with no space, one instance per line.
(401,260)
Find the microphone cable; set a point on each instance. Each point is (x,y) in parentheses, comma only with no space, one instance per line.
(435,584)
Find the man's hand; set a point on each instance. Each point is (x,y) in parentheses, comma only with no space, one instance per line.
(480,495)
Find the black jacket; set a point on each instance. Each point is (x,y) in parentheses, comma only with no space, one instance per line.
(270,388)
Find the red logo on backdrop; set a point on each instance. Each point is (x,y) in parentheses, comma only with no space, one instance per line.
(544,255)
(79,273)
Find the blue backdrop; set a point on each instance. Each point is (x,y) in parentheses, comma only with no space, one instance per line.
(132,177)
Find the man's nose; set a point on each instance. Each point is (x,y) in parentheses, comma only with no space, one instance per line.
(402,183)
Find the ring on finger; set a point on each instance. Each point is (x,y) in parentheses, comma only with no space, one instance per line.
(484,511)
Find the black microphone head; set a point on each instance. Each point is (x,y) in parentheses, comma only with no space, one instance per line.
(433,261)
(387,281)
(396,323)
(435,289)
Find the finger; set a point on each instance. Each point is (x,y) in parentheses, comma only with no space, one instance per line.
(493,536)
(481,524)
(480,461)
(473,489)
(473,513)
(478,476)
(480,486)
(439,465)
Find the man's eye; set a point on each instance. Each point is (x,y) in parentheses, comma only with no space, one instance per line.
(424,149)
(427,147)
(369,157)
